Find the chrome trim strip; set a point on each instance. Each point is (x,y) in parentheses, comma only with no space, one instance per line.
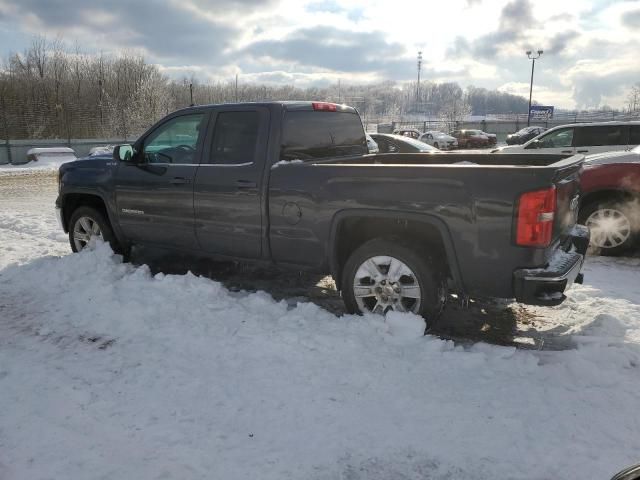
(577,264)
(246,164)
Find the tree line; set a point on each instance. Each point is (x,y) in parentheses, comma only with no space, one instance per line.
(51,91)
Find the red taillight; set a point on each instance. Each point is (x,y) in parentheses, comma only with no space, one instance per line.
(324,106)
(536,211)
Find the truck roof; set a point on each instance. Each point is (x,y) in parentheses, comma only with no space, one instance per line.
(290,105)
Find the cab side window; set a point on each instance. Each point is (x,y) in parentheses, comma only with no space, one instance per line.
(559,139)
(634,135)
(235,138)
(175,141)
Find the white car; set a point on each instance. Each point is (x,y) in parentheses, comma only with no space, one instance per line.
(586,138)
(371,144)
(101,150)
(439,140)
(51,155)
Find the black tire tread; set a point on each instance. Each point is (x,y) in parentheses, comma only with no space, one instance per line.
(105,228)
(415,257)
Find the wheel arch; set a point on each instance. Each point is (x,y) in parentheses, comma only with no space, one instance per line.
(607,194)
(351,228)
(73,200)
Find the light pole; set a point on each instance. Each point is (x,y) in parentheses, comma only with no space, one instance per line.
(418,84)
(533,57)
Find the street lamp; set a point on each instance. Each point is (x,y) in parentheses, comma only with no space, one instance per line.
(418,84)
(533,57)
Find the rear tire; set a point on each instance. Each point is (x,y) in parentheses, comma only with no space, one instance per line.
(87,223)
(403,275)
(613,225)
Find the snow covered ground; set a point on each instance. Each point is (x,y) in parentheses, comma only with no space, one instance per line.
(110,371)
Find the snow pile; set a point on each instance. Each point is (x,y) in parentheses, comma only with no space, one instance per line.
(108,371)
(49,158)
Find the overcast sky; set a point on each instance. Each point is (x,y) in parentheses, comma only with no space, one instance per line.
(592,48)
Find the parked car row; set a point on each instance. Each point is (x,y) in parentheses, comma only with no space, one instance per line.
(466,138)
(610,180)
(585,138)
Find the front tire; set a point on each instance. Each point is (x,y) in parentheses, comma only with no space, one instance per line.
(613,226)
(88,224)
(385,274)
(436,145)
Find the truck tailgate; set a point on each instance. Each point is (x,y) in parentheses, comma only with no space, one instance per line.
(567,183)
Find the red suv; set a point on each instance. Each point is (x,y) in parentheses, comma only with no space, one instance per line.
(470,138)
(610,206)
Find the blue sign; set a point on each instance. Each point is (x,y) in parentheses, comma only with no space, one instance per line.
(541,112)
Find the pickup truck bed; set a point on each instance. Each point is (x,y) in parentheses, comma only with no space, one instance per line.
(291,183)
(469,198)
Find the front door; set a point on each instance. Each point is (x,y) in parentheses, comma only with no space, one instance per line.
(557,142)
(227,201)
(154,194)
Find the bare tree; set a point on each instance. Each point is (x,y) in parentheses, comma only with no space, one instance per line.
(633,99)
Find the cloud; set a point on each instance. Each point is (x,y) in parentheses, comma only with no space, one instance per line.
(515,18)
(560,42)
(331,48)
(592,90)
(164,30)
(631,19)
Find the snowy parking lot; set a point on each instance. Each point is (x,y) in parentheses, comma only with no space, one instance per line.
(112,370)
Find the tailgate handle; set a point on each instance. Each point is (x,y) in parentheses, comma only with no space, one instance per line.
(246,184)
(179,181)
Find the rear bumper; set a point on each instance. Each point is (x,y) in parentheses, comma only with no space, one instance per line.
(546,286)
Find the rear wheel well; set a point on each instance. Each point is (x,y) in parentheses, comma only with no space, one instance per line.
(73,201)
(424,237)
(607,196)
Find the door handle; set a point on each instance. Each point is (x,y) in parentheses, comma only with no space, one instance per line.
(566,151)
(583,151)
(179,181)
(246,184)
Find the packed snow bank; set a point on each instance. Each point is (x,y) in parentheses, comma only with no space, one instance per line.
(107,371)
(46,158)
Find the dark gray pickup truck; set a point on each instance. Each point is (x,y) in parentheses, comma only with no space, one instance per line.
(292,184)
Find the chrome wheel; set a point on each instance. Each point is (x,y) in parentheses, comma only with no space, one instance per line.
(384,283)
(85,230)
(609,228)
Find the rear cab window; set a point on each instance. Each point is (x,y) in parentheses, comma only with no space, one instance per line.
(235,138)
(312,135)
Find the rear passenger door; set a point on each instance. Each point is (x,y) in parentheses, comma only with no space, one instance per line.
(227,200)
(601,138)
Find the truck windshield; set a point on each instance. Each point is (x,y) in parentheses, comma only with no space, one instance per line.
(313,135)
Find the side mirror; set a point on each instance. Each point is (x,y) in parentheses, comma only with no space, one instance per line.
(123,153)
(535,144)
